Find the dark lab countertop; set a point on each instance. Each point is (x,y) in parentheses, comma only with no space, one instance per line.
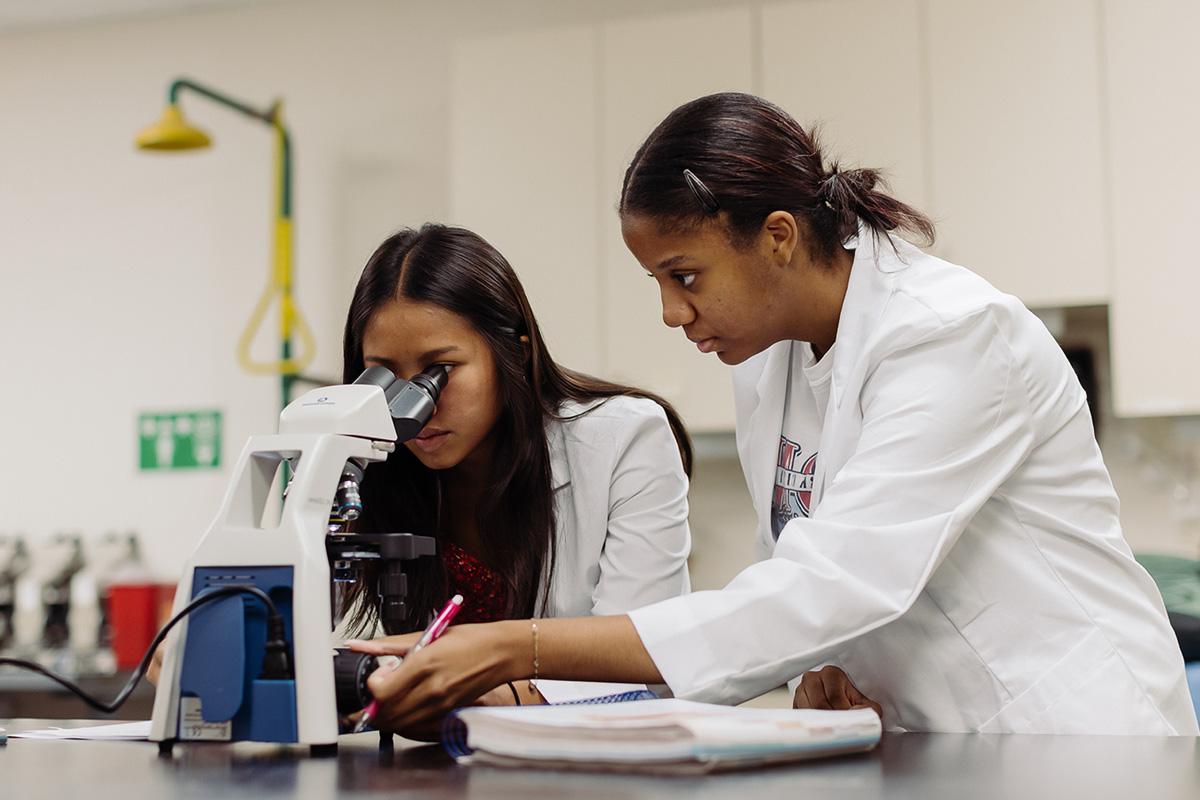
(924,766)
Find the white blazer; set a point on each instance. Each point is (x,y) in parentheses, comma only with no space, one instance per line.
(621,509)
(963,562)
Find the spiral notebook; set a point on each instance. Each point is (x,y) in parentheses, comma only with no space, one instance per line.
(627,733)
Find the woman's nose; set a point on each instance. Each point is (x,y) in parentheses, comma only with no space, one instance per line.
(676,314)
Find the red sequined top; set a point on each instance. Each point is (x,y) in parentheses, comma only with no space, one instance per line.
(485,597)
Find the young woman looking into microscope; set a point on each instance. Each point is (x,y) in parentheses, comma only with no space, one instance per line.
(551,493)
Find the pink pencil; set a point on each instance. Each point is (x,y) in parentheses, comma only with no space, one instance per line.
(432,632)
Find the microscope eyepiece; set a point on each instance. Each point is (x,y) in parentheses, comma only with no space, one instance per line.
(433,380)
(411,402)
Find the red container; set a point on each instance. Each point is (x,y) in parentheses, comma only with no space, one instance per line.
(133,610)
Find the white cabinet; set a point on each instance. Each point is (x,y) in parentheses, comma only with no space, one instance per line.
(1153,78)
(1054,144)
(853,68)
(651,66)
(523,174)
(543,126)
(1016,146)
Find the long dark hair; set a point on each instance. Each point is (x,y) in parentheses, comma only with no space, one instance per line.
(748,158)
(459,271)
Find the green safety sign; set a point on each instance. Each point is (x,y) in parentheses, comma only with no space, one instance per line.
(179,440)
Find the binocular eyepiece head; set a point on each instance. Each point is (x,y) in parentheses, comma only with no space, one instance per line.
(412,402)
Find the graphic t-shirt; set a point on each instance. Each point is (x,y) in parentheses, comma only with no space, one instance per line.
(803,418)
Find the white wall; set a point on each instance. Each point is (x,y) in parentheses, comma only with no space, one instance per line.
(126,277)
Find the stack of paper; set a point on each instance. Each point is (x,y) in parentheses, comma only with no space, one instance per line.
(655,735)
(118,732)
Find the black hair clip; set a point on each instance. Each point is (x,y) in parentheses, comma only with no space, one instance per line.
(703,195)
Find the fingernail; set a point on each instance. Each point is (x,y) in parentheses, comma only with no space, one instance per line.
(388,663)
(351,642)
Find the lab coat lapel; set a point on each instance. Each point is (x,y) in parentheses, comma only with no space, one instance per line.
(560,470)
(870,288)
(867,295)
(760,444)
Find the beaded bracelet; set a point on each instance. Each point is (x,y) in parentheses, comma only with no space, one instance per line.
(533,681)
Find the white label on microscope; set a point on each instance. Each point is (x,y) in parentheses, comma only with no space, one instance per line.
(192,726)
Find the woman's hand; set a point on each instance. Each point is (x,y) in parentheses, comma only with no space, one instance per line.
(830,688)
(466,664)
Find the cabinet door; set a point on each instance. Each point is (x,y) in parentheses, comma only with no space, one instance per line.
(1016,145)
(1153,75)
(523,171)
(852,68)
(651,66)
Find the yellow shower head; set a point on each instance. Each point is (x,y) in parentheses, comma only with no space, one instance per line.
(172,132)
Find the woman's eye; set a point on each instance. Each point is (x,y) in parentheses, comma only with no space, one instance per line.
(684,279)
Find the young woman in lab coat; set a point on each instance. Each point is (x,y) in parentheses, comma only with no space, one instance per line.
(934,514)
(551,493)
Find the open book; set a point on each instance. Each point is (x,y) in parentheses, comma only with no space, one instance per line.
(655,736)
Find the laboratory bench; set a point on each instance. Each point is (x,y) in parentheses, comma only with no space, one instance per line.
(910,765)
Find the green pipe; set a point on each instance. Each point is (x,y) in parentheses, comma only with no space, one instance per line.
(271,117)
(285,192)
(285,212)
(179,84)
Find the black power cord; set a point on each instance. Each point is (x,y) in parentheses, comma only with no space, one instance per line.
(276,664)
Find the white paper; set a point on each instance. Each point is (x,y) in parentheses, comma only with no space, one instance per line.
(571,691)
(118,732)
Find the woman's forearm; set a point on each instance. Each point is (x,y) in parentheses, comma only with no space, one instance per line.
(472,660)
(578,649)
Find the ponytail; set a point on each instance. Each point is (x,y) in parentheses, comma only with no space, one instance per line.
(848,196)
(737,158)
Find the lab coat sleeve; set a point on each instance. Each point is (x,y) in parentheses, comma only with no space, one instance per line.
(944,422)
(644,558)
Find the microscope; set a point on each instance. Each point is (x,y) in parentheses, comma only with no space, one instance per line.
(14,561)
(254,661)
(114,557)
(57,563)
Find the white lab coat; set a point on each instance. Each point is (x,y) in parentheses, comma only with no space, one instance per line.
(621,516)
(963,562)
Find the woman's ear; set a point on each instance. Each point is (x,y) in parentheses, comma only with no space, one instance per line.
(781,234)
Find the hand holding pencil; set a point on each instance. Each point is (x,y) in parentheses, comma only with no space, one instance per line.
(435,629)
